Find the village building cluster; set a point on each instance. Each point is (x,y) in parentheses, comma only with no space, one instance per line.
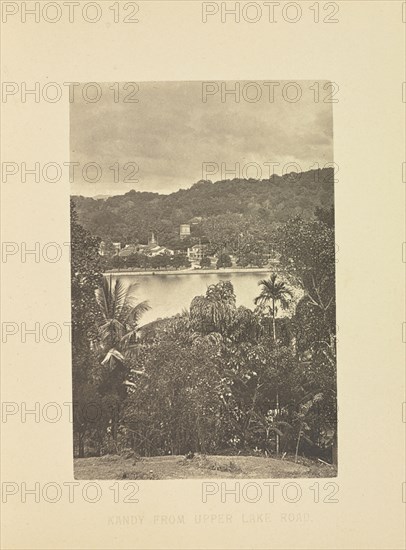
(152,249)
(194,256)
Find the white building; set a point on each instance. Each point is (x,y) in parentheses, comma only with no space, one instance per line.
(184,231)
(196,252)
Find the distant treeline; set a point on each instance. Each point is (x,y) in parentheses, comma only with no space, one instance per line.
(228,214)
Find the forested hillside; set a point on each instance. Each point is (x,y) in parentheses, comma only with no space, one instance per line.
(257,204)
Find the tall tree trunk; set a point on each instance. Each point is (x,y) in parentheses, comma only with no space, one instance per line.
(277,413)
(298,441)
(81,444)
(273,321)
(277,393)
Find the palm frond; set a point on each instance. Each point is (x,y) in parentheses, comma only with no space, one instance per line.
(103,298)
(112,331)
(137,311)
(275,430)
(119,298)
(113,353)
(274,291)
(121,313)
(131,297)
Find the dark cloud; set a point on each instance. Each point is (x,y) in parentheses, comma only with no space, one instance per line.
(170,132)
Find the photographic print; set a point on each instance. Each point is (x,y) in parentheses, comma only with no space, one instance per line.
(203,280)
(199,199)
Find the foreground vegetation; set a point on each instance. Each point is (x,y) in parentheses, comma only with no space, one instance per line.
(217,379)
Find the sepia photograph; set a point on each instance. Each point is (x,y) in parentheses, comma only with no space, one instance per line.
(203,281)
(203,275)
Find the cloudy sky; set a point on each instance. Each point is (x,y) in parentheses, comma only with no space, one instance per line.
(170,134)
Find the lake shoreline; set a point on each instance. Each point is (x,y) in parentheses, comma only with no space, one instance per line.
(193,271)
(169,292)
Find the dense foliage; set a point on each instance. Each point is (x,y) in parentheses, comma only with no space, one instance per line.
(86,277)
(217,378)
(237,215)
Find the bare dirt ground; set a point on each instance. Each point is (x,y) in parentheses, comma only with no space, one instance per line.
(201,466)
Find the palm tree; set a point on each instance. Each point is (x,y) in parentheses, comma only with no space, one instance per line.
(213,312)
(121,314)
(118,333)
(276,293)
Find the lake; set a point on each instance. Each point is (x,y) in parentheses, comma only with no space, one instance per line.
(169,294)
